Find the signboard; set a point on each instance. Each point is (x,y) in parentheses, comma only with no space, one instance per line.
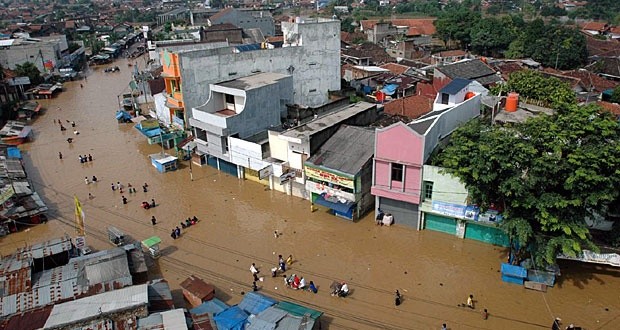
(342,181)
(18,81)
(265,172)
(468,212)
(286,176)
(80,242)
(6,194)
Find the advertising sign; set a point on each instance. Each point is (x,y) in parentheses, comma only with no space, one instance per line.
(330,177)
(265,172)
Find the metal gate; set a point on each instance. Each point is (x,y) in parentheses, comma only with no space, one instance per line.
(228,167)
(212,161)
(487,234)
(404,213)
(439,223)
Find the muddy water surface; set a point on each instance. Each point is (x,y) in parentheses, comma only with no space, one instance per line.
(435,272)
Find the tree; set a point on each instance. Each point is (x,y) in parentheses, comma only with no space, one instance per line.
(490,36)
(546,175)
(28,69)
(455,23)
(532,84)
(615,97)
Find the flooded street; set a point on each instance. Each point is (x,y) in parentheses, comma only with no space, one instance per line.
(435,272)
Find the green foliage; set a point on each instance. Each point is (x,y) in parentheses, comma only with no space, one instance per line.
(73,47)
(455,23)
(533,85)
(553,45)
(490,36)
(345,24)
(545,173)
(615,97)
(28,69)
(430,8)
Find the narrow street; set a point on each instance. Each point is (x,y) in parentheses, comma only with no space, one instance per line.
(435,272)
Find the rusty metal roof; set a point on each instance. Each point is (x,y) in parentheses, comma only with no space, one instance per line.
(46,249)
(197,287)
(83,276)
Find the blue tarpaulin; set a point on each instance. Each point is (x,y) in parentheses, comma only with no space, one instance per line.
(255,303)
(233,318)
(13,152)
(389,89)
(212,306)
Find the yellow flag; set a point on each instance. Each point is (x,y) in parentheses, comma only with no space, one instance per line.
(79,216)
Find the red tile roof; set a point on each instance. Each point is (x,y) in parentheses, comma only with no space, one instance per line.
(395,68)
(599,84)
(593,26)
(611,107)
(411,106)
(602,47)
(424,26)
(451,53)
(220,14)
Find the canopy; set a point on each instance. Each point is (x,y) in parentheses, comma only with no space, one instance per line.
(254,303)
(334,205)
(298,310)
(151,241)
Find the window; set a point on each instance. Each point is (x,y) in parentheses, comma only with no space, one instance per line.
(230,98)
(445,98)
(397,172)
(427,190)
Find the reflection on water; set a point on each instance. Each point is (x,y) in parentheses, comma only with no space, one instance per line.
(434,272)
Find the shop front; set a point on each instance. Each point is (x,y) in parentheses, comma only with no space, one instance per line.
(332,190)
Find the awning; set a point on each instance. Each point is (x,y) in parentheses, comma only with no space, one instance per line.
(389,89)
(336,206)
(151,241)
(150,132)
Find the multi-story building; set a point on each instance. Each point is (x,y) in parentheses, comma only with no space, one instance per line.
(44,52)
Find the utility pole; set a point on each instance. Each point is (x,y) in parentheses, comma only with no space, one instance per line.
(191,175)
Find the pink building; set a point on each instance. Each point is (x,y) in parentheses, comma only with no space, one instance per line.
(402,149)
(398,163)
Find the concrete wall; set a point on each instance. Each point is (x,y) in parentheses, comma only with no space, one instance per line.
(398,144)
(20,54)
(449,121)
(315,65)
(248,21)
(446,187)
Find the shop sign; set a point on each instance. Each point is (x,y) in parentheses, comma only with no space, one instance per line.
(317,174)
(265,172)
(468,212)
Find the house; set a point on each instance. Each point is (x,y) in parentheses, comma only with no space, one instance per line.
(178,14)
(289,149)
(366,54)
(44,52)
(444,208)
(239,108)
(117,309)
(401,150)
(309,54)
(448,57)
(474,69)
(172,319)
(223,32)
(245,19)
(339,174)
(196,290)
(377,30)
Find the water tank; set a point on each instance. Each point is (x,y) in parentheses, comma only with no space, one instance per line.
(512,101)
(297,19)
(469,95)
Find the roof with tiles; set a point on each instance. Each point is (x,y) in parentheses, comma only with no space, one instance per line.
(411,107)
(396,68)
(424,26)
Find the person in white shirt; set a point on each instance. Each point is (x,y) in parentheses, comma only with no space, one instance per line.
(302,283)
(254,271)
(344,290)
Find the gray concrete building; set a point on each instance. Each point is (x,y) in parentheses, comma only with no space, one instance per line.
(43,52)
(245,19)
(240,108)
(310,54)
(173,15)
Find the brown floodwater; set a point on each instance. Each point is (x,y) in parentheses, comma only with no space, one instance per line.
(435,272)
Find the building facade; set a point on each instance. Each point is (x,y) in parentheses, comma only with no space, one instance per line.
(45,52)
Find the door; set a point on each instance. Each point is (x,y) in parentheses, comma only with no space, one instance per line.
(228,167)
(487,234)
(440,223)
(404,213)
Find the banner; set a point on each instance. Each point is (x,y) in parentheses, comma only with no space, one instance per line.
(79,216)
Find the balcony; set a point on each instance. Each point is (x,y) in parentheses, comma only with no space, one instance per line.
(175,100)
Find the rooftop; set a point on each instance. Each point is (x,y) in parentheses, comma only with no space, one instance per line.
(303,132)
(253,81)
(91,307)
(347,150)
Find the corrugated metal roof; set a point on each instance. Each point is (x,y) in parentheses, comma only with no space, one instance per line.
(45,249)
(105,303)
(174,319)
(99,272)
(346,151)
